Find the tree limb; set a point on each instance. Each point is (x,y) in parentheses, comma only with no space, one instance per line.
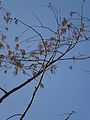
(33,96)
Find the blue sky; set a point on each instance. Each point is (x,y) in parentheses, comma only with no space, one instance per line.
(64,91)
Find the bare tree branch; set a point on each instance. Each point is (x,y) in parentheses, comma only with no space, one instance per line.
(69,115)
(3,90)
(34,62)
(15,115)
(34,93)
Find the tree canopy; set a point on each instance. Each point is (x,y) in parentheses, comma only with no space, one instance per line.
(36,50)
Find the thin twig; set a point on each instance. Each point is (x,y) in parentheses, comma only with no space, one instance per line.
(13,116)
(82,11)
(70,115)
(36,17)
(3,90)
(33,96)
(42,26)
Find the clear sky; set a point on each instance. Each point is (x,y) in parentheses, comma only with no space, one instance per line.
(64,91)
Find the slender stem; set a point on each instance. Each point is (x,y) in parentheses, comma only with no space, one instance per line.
(69,115)
(13,116)
(3,90)
(33,96)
